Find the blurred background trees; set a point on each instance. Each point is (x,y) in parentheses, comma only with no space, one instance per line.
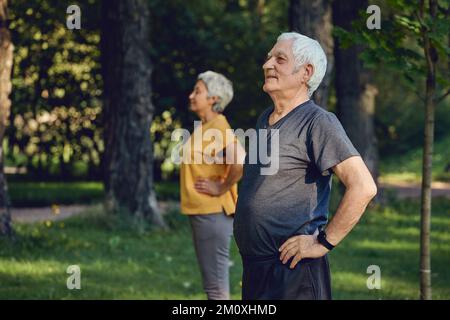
(56,129)
(355,89)
(314,19)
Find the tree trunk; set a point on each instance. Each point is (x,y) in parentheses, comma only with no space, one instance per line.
(313,18)
(6,61)
(128,109)
(354,92)
(431,57)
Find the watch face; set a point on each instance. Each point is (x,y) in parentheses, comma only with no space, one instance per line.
(323,241)
(320,237)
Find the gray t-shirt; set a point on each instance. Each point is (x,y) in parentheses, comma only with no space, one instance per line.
(294,201)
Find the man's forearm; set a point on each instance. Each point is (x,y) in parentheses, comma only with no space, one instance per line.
(350,210)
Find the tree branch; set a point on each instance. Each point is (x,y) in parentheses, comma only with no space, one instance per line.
(438,100)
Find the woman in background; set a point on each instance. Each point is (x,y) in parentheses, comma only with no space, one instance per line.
(209,189)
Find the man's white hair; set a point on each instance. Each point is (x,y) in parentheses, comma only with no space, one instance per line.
(218,85)
(307,50)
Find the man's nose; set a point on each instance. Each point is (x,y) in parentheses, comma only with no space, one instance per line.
(191,96)
(268,64)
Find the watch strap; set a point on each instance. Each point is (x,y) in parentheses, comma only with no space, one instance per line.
(322,238)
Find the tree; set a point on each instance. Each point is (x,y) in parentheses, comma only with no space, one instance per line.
(6,58)
(427,15)
(414,42)
(355,91)
(128,109)
(314,19)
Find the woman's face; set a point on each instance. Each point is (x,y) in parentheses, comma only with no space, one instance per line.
(199,100)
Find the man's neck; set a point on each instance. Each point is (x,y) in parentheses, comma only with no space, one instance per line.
(284,104)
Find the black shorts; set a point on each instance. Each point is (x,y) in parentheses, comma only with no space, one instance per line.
(267,278)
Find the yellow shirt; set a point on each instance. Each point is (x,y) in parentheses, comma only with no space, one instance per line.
(202,145)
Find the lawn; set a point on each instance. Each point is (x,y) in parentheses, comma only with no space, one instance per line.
(119,260)
(408,167)
(36,194)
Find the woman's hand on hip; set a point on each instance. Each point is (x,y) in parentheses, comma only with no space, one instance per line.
(213,188)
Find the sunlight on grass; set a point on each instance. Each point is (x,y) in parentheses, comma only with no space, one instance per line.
(408,167)
(117,262)
(399,177)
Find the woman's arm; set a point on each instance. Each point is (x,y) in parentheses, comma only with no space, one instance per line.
(235,156)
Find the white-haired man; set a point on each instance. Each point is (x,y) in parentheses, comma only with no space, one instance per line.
(281,220)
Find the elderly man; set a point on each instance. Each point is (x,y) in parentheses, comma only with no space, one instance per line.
(281,220)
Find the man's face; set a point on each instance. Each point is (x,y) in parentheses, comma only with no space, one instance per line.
(279,68)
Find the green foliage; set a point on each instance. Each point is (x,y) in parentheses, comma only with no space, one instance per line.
(231,37)
(56,126)
(395,53)
(161,132)
(398,45)
(31,194)
(54,123)
(400,113)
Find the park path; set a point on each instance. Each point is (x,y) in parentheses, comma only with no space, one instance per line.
(55,213)
(412,190)
(61,212)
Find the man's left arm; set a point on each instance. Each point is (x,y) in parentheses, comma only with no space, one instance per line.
(360,188)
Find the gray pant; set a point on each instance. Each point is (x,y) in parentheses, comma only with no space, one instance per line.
(211,234)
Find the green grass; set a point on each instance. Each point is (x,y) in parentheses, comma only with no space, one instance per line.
(389,237)
(120,261)
(24,194)
(31,194)
(408,167)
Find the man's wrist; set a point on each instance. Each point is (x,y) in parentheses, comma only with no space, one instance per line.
(321,249)
(322,239)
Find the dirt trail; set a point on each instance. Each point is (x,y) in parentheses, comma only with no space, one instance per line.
(55,213)
(412,190)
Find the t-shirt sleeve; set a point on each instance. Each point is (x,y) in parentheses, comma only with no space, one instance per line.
(227,134)
(225,138)
(329,144)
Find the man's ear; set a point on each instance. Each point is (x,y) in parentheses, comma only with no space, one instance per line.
(309,71)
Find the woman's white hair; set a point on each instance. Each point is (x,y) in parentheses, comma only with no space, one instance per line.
(307,50)
(218,85)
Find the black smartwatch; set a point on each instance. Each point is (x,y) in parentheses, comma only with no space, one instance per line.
(322,238)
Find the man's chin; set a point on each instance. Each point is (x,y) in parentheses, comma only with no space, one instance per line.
(268,88)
